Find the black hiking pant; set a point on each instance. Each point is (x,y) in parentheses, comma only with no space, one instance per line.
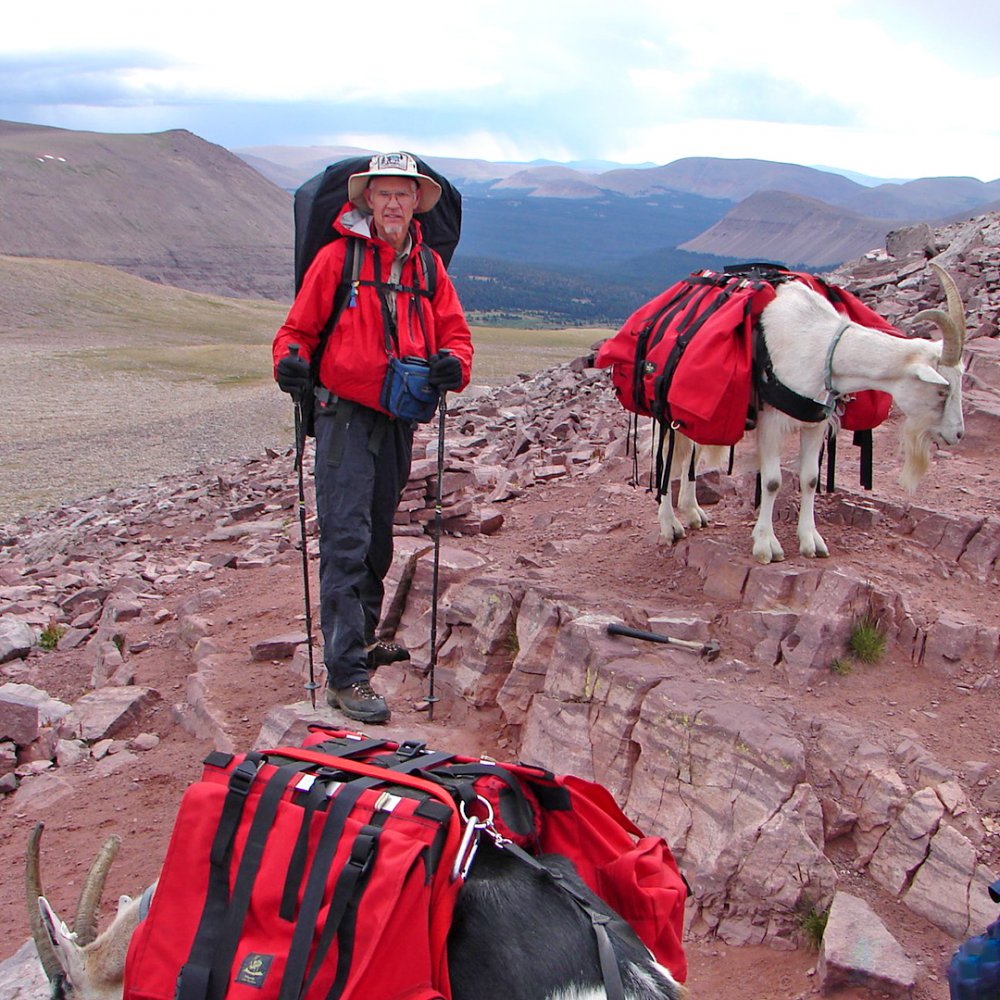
(362,466)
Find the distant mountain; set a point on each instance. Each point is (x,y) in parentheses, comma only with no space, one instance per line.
(299,163)
(857,214)
(774,225)
(865,180)
(732,180)
(926,199)
(551,182)
(169,207)
(572,241)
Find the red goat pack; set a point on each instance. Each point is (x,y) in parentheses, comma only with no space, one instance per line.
(686,356)
(330,870)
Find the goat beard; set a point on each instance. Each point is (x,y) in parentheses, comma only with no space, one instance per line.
(916,441)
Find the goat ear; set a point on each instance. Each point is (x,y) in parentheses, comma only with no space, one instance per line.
(928,374)
(69,953)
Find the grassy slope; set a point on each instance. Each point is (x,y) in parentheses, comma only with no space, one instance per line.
(110,380)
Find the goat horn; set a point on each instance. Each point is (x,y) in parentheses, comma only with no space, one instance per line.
(85,922)
(33,888)
(952,322)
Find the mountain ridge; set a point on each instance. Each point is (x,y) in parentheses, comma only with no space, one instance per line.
(173,208)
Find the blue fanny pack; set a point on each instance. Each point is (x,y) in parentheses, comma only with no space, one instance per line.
(406,393)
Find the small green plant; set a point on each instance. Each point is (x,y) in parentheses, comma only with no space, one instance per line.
(49,637)
(119,640)
(813,924)
(867,641)
(841,666)
(513,643)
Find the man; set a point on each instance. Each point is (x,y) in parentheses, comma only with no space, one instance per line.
(363,453)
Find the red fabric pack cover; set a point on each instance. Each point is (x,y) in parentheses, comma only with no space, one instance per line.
(379,818)
(401,912)
(636,875)
(686,357)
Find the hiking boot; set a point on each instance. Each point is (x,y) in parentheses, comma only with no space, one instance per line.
(383,651)
(359,702)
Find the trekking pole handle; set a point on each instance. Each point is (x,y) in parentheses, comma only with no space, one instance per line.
(444,352)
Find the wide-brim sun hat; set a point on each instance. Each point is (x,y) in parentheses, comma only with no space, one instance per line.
(393,165)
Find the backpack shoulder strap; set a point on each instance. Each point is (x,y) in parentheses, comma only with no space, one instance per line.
(430,268)
(347,286)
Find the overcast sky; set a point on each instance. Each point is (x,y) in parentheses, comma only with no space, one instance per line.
(888,88)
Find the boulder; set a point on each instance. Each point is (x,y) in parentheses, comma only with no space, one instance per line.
(858,950)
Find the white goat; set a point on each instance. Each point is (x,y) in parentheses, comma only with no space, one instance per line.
(514,934)
(814,350)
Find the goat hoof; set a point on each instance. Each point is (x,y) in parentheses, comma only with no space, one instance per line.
(671,533)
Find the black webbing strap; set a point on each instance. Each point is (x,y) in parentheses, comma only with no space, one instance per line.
(650,335)
(228,936)
(863,440)
(340,747)
(352,264)
(831,459)
(343,910)
(193,982)
(610,973)
(414,765)
(688,327)
(348,276)
(389,322)
(663,466)
(430,281)
(770,389)
(312,900)
(515,809)
(314,798)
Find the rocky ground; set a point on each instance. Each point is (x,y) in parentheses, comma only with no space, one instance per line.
(781,783)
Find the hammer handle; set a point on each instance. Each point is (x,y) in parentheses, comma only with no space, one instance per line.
(634,633)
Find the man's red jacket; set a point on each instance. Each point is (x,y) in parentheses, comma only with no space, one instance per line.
(354,360)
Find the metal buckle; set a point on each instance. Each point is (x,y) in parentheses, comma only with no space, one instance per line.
(362,850)
(470,838)
(409,749)
(242,777)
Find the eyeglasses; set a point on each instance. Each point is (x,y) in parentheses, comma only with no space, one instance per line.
(379,194)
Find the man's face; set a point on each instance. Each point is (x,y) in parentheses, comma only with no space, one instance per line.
(393,201)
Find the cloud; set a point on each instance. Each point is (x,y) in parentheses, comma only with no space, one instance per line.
(894,84)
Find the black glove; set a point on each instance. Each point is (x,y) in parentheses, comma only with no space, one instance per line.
(446,371)
(294,376)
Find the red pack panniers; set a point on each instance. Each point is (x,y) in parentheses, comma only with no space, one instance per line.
(328,870)
(686,356)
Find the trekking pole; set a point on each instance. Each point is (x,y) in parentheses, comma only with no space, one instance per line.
(431,698)
(300,447)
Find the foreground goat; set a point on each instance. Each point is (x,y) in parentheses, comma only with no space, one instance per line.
(515,935)
(815,350)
